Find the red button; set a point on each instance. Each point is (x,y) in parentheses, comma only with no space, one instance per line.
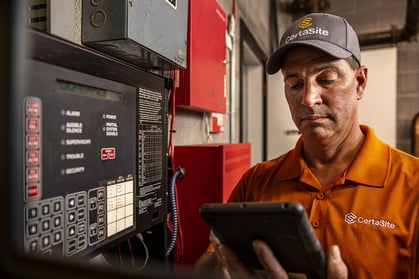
(32,125)
(315,224)
(32,191)
(32,158)
(32,141)
(32,174)
(32,107)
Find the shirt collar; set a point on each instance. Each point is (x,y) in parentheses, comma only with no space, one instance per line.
(364,169)
(371,164)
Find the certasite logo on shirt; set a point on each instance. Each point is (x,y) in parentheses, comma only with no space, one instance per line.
(352,218)
(304,25)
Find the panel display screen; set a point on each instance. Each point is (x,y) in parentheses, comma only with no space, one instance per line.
(88,91)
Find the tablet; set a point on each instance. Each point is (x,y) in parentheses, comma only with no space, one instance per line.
(284,226)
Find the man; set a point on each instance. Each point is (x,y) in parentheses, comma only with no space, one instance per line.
(361,195)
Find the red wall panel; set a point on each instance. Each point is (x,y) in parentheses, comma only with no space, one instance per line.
(202,84)
(211,172)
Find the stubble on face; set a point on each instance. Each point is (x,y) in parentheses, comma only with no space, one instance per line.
(320,91)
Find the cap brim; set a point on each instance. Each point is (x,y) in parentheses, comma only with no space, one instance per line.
(274,63)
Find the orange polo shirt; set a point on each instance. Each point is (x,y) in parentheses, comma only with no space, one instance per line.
(371,211)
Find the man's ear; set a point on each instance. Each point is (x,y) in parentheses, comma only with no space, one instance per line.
(361,79)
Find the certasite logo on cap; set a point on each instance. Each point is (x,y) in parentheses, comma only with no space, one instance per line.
(304,24)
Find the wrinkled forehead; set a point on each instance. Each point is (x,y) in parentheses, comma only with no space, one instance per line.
(303,55)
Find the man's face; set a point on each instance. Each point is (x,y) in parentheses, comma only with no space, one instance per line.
(322,92)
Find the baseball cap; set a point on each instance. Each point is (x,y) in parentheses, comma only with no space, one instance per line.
(327,32)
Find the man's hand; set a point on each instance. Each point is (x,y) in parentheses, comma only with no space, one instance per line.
(336,268)
(230,267)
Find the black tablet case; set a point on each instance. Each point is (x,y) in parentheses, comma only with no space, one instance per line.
(283,225)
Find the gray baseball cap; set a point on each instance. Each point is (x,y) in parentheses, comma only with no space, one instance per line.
(327,32)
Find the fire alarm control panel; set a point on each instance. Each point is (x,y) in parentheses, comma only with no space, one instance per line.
(90,163)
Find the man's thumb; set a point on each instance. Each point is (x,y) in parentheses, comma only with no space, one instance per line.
(336,268)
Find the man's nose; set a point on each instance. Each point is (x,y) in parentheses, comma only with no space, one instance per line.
(311,94)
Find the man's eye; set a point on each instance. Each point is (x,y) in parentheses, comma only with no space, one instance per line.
(296,86)
(327,77)
(326,81)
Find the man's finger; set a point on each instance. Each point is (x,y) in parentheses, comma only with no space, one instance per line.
(231,265)
(268,260)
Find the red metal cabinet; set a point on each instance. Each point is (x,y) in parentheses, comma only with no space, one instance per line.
(211,172)
(202,83)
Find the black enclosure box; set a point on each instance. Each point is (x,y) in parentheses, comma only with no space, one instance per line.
(149,33)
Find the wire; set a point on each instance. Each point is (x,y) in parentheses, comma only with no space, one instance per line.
(120,255)
(178,242)
(173,202)
(172,96)
(131,253)
(147,253)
